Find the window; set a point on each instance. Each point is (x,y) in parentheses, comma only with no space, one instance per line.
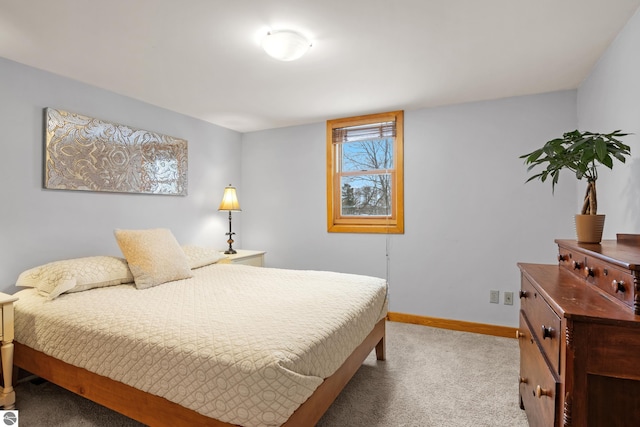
(365,174)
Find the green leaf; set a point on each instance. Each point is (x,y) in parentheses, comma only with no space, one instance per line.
(534,156)
(587,157)
(601,149)
(618,155)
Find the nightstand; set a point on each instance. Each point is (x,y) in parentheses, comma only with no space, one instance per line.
(254,258)
(7,396)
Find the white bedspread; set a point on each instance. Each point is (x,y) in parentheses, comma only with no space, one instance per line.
(241,344)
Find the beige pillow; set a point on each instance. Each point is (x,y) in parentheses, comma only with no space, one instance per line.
(154,256)
(74,275)
(199,256)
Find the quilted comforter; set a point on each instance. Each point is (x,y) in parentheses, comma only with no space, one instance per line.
(240,344)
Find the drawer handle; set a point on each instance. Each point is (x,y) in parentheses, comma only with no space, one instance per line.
(541,392)
(588,272)
(520,334)
(523,294)
(576,265)
(618,286)
(563,258)
(523,380)
(547,332)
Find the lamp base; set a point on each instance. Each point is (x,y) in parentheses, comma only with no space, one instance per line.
(230,251)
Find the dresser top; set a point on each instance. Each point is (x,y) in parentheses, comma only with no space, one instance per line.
(623,253)
(572,298)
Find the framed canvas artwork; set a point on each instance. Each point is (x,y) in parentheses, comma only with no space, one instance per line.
(85,153)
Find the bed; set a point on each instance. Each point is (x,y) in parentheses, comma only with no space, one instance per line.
(228,345)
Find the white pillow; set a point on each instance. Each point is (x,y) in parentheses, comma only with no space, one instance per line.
(77,274)
(154,256)
(199,256)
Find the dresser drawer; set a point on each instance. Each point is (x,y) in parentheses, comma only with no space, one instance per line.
(615,282)
(538,384)
(571,260)
(254,261)
(545,323)
(600,271)
(245,257)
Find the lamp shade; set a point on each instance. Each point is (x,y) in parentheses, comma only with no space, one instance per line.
(229,200)
(285,45)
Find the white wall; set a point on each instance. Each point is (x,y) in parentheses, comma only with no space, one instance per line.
(38,225)
(469,216)
(609,99)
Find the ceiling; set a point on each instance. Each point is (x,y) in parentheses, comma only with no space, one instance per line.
(202,57)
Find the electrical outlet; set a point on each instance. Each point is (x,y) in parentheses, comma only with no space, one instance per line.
(508,298)
(494,297)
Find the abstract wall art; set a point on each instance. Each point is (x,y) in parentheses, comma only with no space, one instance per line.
(84,153)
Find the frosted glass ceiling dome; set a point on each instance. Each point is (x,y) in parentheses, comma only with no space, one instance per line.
(285,45)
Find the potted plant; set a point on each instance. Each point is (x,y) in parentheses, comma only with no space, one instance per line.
(581,153)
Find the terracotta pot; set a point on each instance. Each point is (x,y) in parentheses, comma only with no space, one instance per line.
(589,228)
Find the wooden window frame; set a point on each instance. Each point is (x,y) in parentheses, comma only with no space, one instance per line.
(393,224)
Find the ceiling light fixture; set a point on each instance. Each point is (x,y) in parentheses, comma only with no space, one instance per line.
(285,45)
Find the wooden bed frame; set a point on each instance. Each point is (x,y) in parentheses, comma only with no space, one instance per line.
(158,411)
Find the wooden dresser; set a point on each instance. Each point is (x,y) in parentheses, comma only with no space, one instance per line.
(580,336)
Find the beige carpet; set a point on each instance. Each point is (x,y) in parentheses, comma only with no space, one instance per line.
(432,377)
